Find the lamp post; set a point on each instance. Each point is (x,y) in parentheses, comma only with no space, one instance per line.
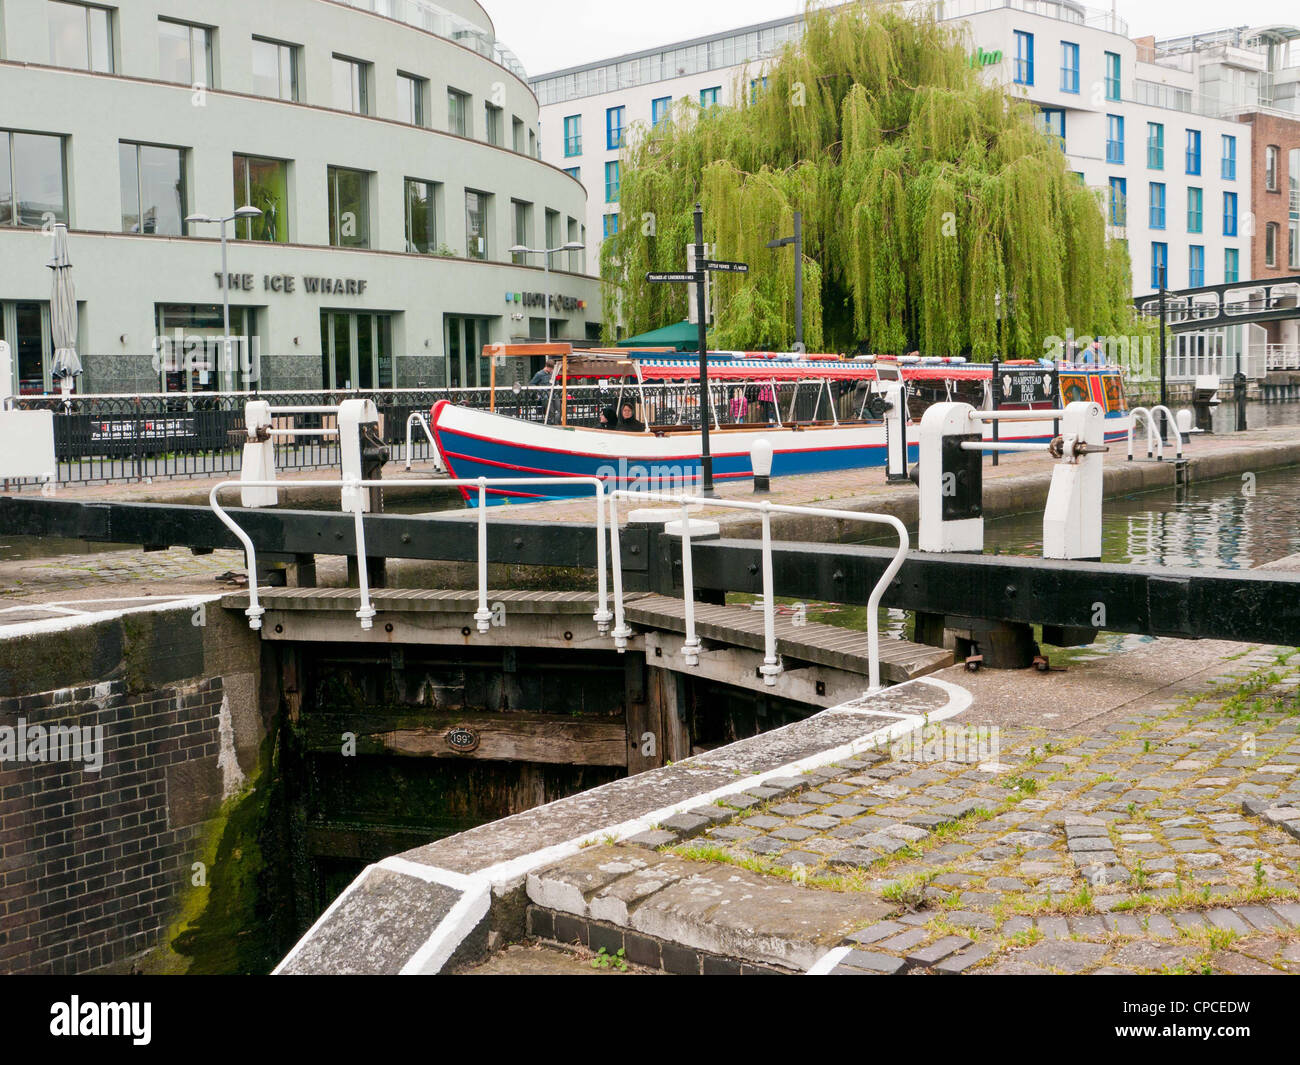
(246,211)
(546,253)
(1164,395)
(797,241)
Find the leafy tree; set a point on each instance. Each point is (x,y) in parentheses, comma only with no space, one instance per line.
(938,215)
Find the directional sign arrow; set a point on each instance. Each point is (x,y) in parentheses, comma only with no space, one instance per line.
(723,267)
(686,278)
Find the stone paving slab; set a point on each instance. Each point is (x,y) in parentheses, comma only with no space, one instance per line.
(1049,860)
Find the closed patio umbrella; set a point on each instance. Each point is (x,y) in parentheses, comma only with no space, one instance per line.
(63,314)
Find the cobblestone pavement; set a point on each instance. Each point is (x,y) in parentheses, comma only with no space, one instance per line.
(1166,841)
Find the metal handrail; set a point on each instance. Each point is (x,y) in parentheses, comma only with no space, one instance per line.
(1152,434)
(483,616)
(416,418)
(771,662)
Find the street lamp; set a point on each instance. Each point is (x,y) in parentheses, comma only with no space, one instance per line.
(202,219)
(519,249)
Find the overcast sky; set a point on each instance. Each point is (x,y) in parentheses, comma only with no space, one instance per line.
(554,34)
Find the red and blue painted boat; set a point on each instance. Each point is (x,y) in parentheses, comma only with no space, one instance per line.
(664,456)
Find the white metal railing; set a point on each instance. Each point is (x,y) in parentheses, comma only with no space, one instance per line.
(602,615)
(1155,441)
(483,616)
(416,418)
(1282,357)
(771,667)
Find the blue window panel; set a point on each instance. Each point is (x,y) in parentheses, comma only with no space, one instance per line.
(1229,214)
(610,225)
(659,109)
(1118,201)
(1024,58)
(574,172)
(1112,76)
(1195,265)
(1228,170)
(1231,265)
(1195,210)
(709,97)
(612,182)
(1069,67)
(1193,151)
(614,127)
(573,136)
(1159,264)
(1053,121)
(1115,139)
(1157,218)
(1155,146)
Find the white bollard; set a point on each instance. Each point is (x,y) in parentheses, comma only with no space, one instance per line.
(1072,520)
(889,383)
(951,481)
(259,456)
(353,414)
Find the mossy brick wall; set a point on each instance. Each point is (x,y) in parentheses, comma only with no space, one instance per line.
(93,865)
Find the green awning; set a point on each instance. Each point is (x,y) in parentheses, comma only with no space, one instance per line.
(684,336)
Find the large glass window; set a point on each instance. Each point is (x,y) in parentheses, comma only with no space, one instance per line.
(1112,76)
(612,182)
(422,216)
(1069,67)
(523,229)
(493,121)
(1053,120)
(1115,138)
(33,181)
(609,225)
(1195,265)
(153,189)
(1193,151)
(573,135)
(1231,265)
(1157,219)
(349,192)
(457,113)
(709,97)
(264,184)
(1155,146)
(80,36)
(184,53)
(1229,167)
(1229,214)
(1195,209)
(351,88)
(476,224)
(614,127)
(659,109)
(1270,167)
(275,69)
(411,93)
(1024,69)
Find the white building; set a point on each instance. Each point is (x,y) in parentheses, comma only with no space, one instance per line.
(391,145)
(1177,182)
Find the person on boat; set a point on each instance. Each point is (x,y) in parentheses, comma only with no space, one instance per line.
(1092,355)
(628,421)
(739,405)
(542,379)
(608,418)
(767,404)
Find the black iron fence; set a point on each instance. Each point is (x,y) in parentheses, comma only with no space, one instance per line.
(101,438)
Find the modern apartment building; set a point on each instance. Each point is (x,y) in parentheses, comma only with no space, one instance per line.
(1176,182)
(390,146)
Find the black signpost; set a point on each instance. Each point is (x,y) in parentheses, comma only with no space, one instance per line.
(696,278)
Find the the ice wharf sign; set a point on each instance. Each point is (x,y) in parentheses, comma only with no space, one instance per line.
(326,286)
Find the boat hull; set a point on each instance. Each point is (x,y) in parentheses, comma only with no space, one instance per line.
(476,443)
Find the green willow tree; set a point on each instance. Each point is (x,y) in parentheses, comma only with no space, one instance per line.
(937,214)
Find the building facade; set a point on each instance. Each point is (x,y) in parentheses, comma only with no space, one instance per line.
(390,146)
(1175,183)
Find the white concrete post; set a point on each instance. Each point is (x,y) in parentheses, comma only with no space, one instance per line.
(1072,520)
(937,533)
(259,456)
(352,415)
